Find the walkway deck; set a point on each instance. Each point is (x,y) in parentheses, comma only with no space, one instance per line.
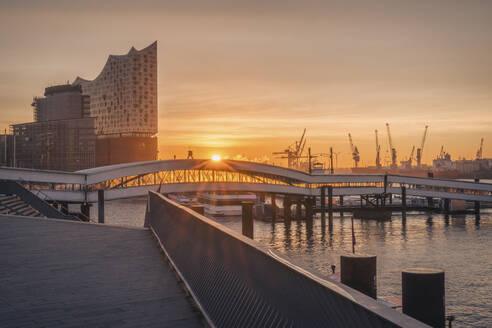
(67,274)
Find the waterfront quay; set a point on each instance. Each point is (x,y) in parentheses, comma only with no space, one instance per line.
(58,273)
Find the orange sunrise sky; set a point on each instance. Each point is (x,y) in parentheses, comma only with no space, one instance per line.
(243,79)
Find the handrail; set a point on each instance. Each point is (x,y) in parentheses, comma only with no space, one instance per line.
(40,205)
(49,199)
(237,282)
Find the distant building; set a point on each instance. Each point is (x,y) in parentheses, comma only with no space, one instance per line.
(6,149)
(61,102)
(62,137)
(63,145)
(124,105)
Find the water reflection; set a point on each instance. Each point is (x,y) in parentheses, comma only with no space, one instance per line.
(417,241)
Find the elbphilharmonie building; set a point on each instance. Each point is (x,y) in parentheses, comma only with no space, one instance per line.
(123,101)
(109,120)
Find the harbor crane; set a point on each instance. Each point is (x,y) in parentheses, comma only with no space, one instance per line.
(408,163)
(480,151)
(378,151)
(394,165)
(293,153)
(355,152)
(420,151)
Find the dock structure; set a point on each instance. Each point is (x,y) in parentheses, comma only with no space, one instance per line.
(57,273)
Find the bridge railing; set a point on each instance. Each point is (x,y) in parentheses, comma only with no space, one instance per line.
(15,188)
(237,282)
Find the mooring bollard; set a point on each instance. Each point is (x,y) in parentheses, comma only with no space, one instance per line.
(423,295)
(359,272)
(100,206)
(247,219)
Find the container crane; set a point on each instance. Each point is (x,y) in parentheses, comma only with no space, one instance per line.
(293,153)
(355,152)
(408,163)
(394,165)
(420,151)
(480,151)
(378,151)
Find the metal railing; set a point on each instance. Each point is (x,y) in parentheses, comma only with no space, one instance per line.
(237,282)
(40,205)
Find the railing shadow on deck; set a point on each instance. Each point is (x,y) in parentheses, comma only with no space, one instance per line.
(237,282)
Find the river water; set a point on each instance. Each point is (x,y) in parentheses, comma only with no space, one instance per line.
(458,244)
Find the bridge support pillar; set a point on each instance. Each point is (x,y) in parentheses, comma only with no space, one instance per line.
(100,206)
(446,205)
(85,209)
(340,203)
(322,203)
(274,207)
(247,219)
(404,202)
(430,202)
(298,209)
(308,203)
(477,207)
(330,205)
(287,213)
(390,198)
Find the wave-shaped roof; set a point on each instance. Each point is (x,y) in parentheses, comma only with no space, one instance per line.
(79,80)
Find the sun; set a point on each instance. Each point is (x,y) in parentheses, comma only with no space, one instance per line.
(216,158)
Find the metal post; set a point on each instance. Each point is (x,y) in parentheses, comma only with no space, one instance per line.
(423,295)
(330,204)
(247,219)
(404,202)
(100,205)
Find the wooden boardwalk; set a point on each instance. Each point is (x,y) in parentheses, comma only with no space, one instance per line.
(68,274)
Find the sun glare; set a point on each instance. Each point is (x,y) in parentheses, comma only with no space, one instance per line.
(216,158)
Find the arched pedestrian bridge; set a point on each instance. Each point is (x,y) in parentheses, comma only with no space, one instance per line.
(195,175)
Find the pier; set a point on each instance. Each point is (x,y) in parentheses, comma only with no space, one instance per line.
(58,273)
